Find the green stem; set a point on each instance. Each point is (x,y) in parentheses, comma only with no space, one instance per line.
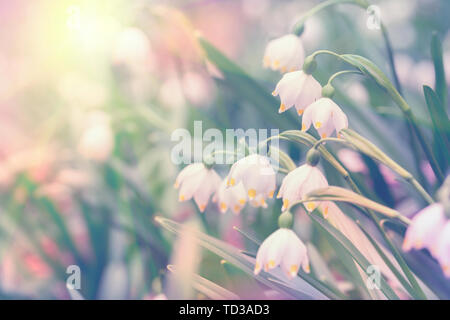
(412,127)
(390,53)
(407,111)
(337,74)
(323,5)
(323,140)
(376,220)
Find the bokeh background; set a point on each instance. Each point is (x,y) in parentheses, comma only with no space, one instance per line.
(90,92)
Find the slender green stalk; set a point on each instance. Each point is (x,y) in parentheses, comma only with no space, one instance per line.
(323,140)
(413,129)
(390,54)
(364,5)
(337,74)
(323,5)
(407,111)
(376,220)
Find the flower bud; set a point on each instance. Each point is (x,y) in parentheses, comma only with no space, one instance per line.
(208,161)
(309,65)
(298,29)
(328,91)
(312,157)
(286,220)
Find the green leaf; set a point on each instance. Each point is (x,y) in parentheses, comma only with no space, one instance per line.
(302,289)
(388,262)
(354,252)
(365,146)
(333,193)
(440,83)
(441,127)
(207,287)
(370,69)
(284,160)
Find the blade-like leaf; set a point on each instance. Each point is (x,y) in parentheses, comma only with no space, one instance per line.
(441,127)
(439,71)
(370,69)
(365,146)
(355,253)
(207,287)
(303,290)
(333,193)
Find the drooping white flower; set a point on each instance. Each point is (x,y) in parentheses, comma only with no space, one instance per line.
(257,176)
(284,54)
(424,228)
(326,117)
(232,198)
(298,183)
(297,89)
(198,182)
(441,249)
(282,248)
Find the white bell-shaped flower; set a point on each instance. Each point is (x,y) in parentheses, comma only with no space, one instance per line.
(326,117)
(297,89)
(198,182)
(233,198)
(424,228)
(284,54)
(256,174)
(282,248)
(298,183)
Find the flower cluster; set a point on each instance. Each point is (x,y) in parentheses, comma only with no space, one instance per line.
(251,178)
(300,89)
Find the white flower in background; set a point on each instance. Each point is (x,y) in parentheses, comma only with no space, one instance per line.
(97,140)
(256,174)
(197,88)
(326,117)
(132,48)
(285,54)
(171,94)
(424,228)
(298,183)
(198,182)
(282,248)
(297,89)
(232,198)
(441,249)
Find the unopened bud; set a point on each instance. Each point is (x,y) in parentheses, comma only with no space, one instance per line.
(285,220)
(312,157)
(328,91)
(309,65)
